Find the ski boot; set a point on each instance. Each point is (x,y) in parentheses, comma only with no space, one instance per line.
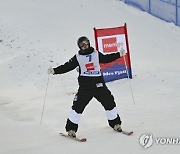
(72,133)
(117,128)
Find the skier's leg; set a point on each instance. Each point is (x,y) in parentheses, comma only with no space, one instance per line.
(104,96)
(80,101)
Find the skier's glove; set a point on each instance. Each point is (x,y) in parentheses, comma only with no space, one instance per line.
(122,52)
(50,70)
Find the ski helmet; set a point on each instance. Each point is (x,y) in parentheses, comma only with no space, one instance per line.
(81,39)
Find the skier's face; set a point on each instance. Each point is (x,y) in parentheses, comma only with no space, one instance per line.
(84,45)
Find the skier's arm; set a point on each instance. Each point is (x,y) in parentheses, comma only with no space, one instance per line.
(68,66)
(109,57)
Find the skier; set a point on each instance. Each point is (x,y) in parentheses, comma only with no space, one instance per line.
(91,84)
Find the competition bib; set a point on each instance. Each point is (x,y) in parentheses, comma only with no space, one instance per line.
(89,64)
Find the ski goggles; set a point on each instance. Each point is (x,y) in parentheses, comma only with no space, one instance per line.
(84,43)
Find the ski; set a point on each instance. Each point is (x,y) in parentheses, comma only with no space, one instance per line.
(74,138)
(126,133)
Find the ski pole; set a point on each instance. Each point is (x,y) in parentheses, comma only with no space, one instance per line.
(44,100)
(129,79)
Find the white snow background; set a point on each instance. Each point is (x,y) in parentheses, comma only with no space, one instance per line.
(36,34)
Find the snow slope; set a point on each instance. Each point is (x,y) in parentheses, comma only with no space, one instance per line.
(36,34)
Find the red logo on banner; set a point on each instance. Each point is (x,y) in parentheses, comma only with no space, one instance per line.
(109,44)
(90,66)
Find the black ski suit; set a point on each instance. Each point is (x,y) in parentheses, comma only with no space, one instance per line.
(91,84)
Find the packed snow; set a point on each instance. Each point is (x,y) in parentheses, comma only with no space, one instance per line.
(36,34)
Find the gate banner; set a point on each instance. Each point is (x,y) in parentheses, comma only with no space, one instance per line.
(112,40)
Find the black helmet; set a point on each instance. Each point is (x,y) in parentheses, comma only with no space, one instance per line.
(81,39)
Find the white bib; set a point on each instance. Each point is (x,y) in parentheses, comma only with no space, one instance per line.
(89,64)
